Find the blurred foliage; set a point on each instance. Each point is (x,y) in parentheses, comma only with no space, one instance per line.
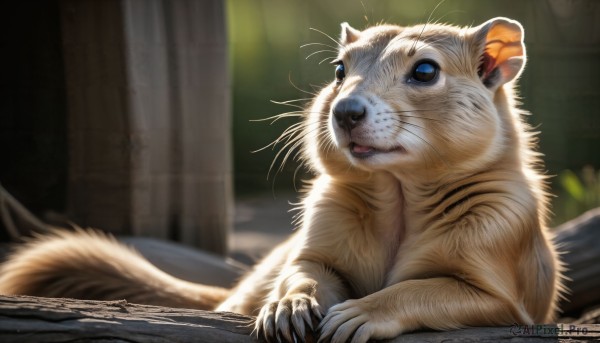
(578,193)
(560,85)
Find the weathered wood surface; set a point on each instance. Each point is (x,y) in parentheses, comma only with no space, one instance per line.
(26,319)
(579,242)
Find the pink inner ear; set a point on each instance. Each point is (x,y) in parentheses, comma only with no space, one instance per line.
(488,63)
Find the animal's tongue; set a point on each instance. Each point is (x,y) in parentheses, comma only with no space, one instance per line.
(359,149)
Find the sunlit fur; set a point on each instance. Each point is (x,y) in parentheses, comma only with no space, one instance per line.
(444,227)
(87,264)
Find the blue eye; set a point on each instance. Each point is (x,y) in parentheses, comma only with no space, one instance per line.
(425,71)
(340,72)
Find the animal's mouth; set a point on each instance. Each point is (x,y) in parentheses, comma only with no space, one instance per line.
(365,151)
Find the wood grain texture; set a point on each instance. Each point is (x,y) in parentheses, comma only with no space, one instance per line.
(29,319)
(149,118)
(26,319)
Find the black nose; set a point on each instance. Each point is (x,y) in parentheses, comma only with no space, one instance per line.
(349,112)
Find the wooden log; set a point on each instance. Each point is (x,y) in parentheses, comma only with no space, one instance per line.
(26,319)
(579,241)
(29,319)
(187,263)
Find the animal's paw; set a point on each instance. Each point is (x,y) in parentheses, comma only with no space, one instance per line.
(356,320)
(287,320)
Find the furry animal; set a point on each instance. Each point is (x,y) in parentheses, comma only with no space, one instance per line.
(426,212)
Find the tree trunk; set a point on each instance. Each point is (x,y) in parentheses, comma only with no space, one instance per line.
(149,122)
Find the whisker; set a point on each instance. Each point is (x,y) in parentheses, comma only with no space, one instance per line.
(300,108)
(316,43)
(426,118)
(328,36)
(411,124)
(412,50)
(422,128)
(438,20)
(320,51)
(434,9)
(325,142)
(283,136)
(294,180)
(402,113)
(302,113)
(289,101)
(289,147)
(280,116)
(427,43)
(365,10)
(289,153)
(412,110)
(426,142)
(314,94)
(276,158)
(288,104)
(328,58)
(292,134)
(290,131)
(292,114)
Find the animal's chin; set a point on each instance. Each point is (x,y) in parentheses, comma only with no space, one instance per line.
(364,151)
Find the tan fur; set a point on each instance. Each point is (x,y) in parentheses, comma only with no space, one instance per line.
(444,227)
(88,264)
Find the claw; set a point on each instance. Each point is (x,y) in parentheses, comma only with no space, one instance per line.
(316,309)
(298,324)
(324,330)
(282,323)
(285,333)
(259,331)
(268,338)
(308,320)
(267,322)
(361,335)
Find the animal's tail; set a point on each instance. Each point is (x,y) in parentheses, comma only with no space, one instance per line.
(87,264)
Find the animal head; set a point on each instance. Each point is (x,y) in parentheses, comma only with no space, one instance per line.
(410,99)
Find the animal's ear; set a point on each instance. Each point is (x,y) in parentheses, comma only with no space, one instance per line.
(349,34)
(501,52)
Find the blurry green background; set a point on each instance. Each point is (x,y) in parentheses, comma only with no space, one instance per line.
(560,85)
